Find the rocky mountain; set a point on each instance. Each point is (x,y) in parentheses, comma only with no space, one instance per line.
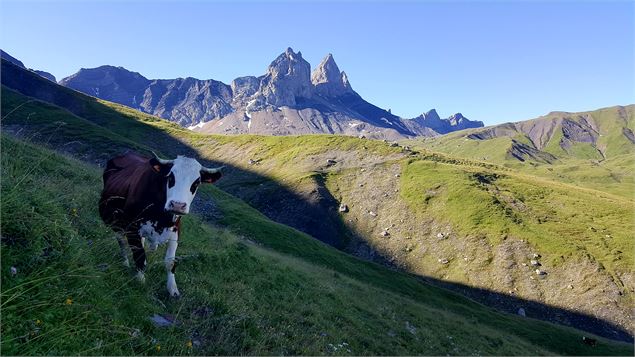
(603,137)
(288,99)
(329,81)
(455,122)
(182,100)
(19,63)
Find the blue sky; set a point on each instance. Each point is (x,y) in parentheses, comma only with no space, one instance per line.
(492,61)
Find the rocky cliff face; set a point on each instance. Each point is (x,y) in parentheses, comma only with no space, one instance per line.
(115,84)
(328,80)
(187,101)
(288,99)
(288,77)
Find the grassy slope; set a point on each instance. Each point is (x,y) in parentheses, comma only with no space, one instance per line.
(286,294)
(579,166)
(553,217)
(284,153)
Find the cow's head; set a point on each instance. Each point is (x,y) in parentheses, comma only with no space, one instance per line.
(183,176)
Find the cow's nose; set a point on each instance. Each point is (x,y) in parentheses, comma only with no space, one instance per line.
(178,206)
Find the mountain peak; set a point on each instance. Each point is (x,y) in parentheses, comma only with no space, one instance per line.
(456,121)
(431,113)
(288,77)
(112,83)
(289,55)
(328,80)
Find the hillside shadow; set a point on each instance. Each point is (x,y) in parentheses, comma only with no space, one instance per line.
(315,214)
(536,310)
(500,301)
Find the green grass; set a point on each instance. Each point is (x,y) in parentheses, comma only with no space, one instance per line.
(253,287)
(554,218)
(581,165)
(105,128)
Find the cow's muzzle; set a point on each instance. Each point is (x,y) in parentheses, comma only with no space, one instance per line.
(177,207)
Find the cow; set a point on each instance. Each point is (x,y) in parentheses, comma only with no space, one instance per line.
(144,198)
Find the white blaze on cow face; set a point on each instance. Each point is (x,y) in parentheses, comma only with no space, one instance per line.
(183,181)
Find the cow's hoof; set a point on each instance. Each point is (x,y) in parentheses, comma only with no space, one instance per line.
(174,291)
(141,277)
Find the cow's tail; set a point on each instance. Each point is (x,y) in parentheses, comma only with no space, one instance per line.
(109,205)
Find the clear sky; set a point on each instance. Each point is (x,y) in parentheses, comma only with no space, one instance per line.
(492,61)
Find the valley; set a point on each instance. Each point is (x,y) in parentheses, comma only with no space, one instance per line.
(452,212)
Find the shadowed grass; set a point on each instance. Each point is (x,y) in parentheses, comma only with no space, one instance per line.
(290,295)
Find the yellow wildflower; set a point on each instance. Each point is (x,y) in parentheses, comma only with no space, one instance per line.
(158,348)
(189,344)
(74,212)
(38,322)
(69,301)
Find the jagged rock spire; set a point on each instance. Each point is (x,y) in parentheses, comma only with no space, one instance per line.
(288,77)
(328,80)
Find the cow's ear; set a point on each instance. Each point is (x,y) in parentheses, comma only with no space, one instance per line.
(159,167)
(210,178)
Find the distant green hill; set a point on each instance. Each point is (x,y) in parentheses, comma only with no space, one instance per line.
(253,287)
(461,223)
(593,149)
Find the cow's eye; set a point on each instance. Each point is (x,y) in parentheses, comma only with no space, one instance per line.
(195,185)
(171,180)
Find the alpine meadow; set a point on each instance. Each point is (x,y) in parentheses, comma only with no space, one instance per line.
(323,224)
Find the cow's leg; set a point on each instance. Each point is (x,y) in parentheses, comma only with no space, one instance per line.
(123,250)
(138,254)
(170,264)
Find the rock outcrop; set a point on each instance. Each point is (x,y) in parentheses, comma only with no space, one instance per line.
(187,101)
(329,82)
(288,77)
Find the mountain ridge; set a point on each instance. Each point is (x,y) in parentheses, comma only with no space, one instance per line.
(19,63)
(318,101)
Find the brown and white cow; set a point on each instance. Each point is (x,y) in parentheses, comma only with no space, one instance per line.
(144,198)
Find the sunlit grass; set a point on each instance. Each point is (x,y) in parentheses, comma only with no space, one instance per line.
(285,294)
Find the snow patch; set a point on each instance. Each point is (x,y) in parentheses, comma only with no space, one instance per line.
(197,126)
(387,121)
